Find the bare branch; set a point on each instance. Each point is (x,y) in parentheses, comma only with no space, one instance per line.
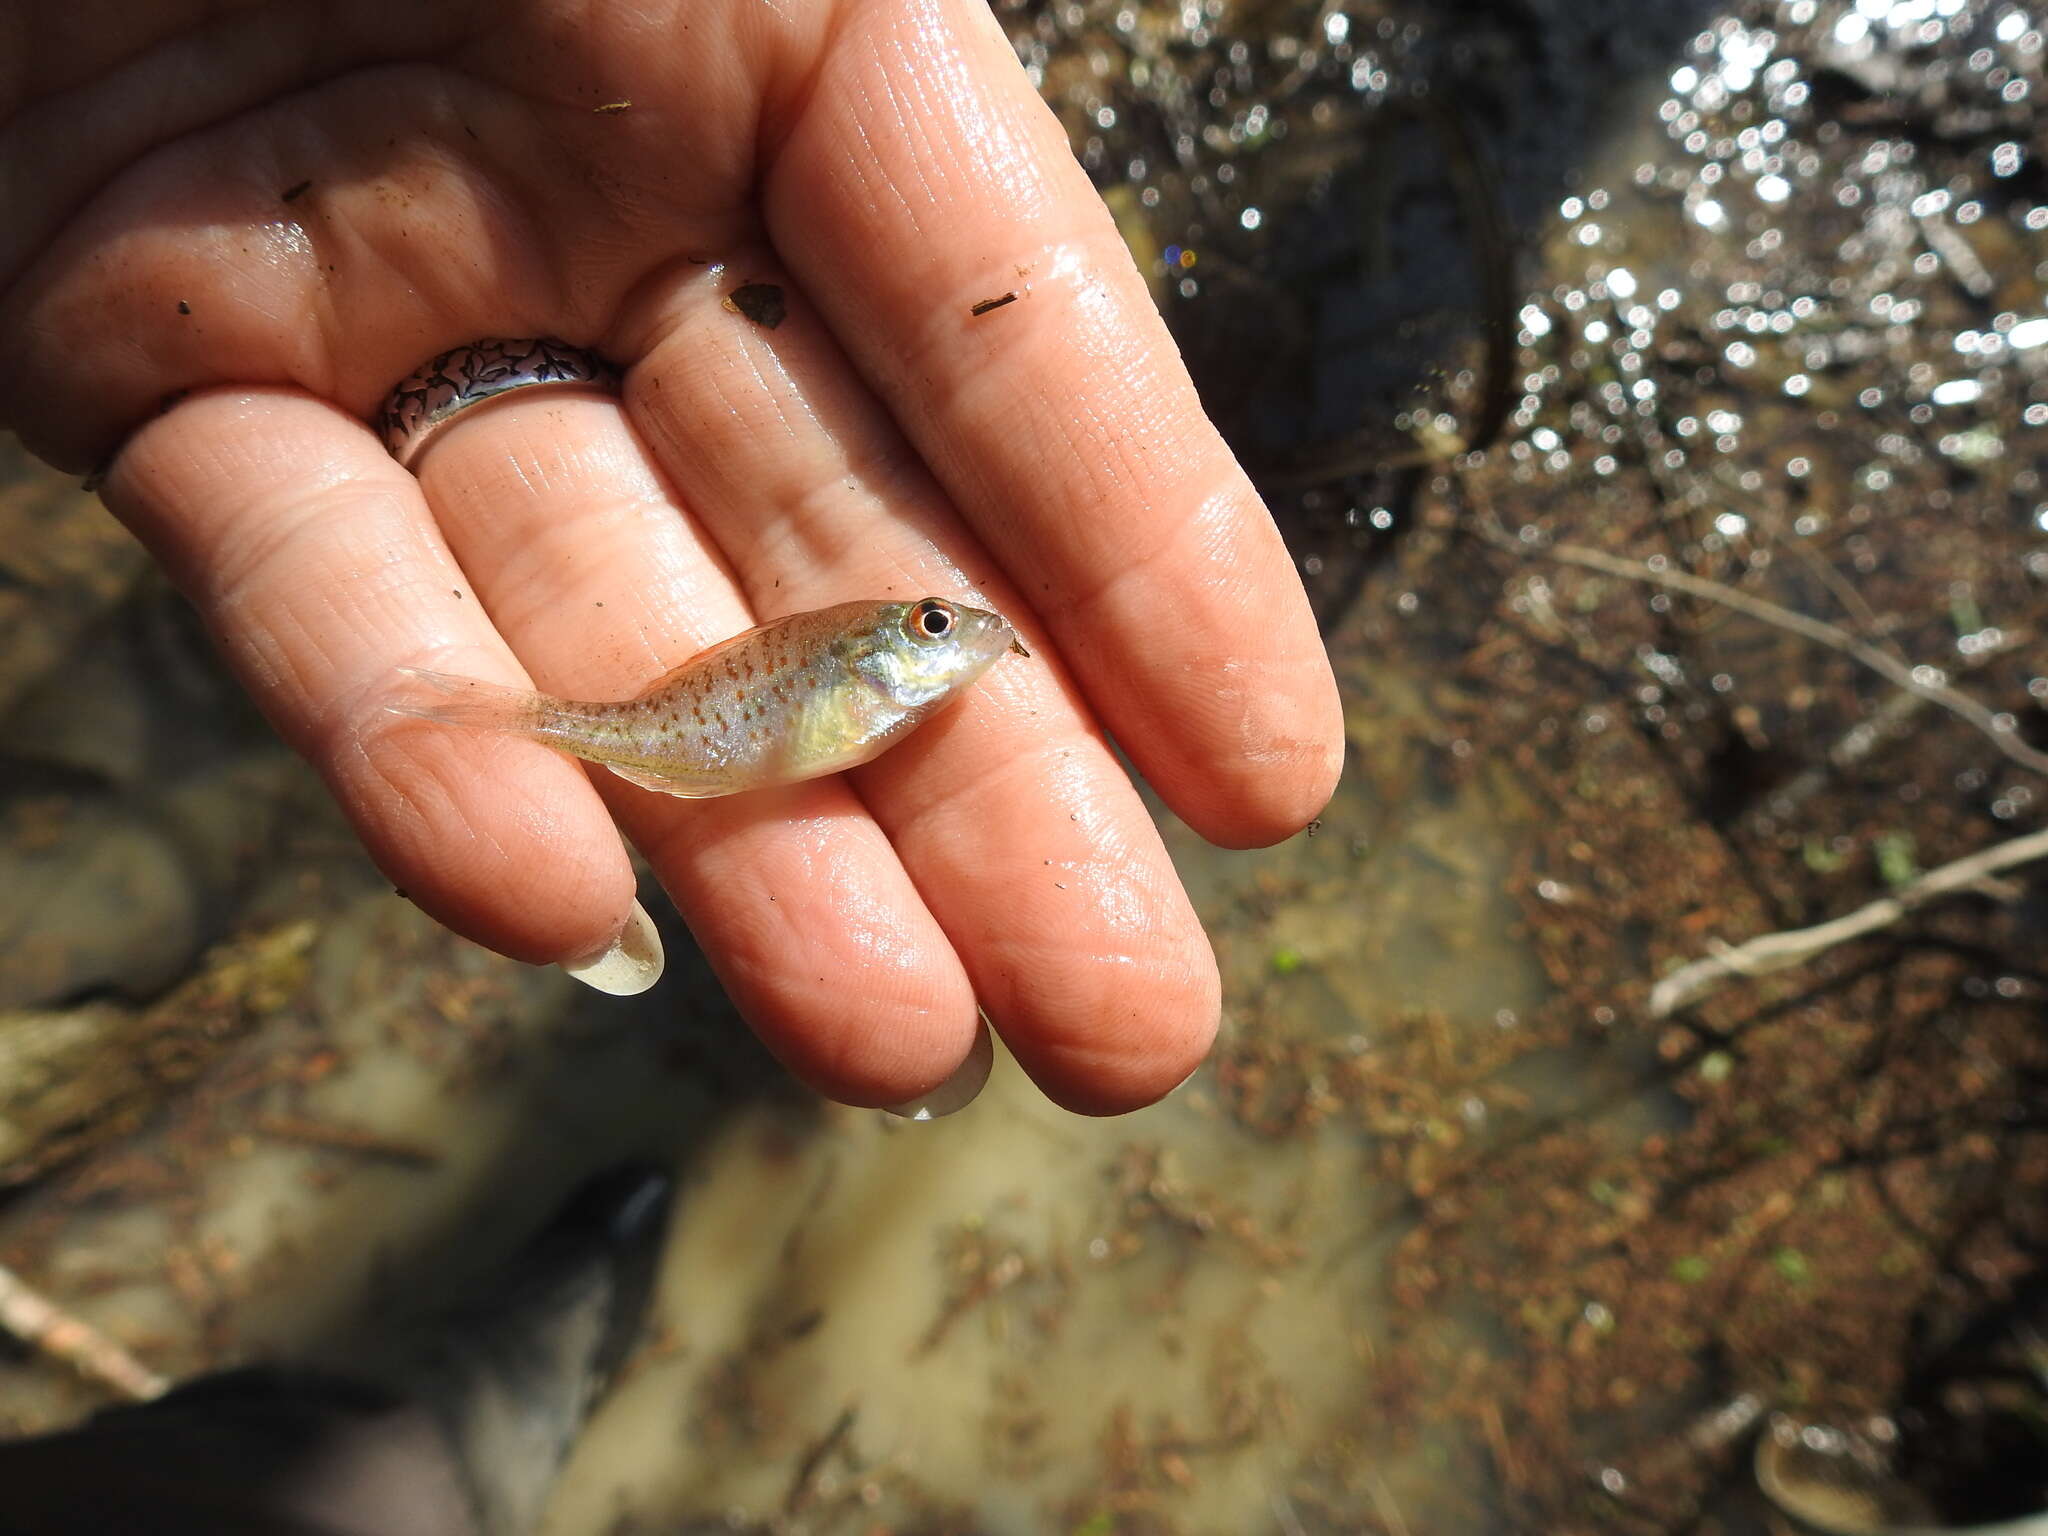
(36,1320)
(1777,951)
(1998,728)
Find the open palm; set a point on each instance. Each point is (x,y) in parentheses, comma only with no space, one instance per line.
(266,215)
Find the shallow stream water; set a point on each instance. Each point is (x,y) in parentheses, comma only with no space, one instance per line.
(1451,1234)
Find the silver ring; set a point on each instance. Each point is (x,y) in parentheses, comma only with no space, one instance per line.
(431,396)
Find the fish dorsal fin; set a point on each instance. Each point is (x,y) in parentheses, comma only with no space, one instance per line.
(820,618)
(709,653)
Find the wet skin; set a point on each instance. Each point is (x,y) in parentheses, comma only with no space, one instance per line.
(268,216)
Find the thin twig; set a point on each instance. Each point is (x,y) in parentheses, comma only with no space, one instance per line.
(1383,1504)
(347,1138)
(804,1484)
(1776,951)
(38,1321)
(1888,722)
(1997,728)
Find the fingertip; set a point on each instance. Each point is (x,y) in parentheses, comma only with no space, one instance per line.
(1119,1082)
(1276,785)
(819,937)
(877,1053)
(1254,754)
(958,1089)
(499,841)
(1138,1040)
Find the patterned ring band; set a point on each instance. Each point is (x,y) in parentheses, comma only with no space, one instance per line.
(430,397)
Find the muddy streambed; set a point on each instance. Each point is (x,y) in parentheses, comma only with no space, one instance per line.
(1580,320)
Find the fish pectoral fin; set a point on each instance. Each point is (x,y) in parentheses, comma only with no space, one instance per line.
(666,784)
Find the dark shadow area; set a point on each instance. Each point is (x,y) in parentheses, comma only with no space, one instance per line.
(1341,211)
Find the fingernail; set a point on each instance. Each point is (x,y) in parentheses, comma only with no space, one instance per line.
(630,964)
(959,1090)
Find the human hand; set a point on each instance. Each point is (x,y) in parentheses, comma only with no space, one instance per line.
(269,214)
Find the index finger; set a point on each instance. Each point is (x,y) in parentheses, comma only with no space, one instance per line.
(314,560)
(921,175)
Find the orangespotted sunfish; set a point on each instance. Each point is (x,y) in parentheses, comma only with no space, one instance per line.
(796,698)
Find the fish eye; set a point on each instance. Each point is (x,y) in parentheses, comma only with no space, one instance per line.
(931,620)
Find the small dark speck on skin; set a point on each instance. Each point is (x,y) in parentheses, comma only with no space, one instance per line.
(986,305)
(761,303)
(456,593)
(184,308)
(400,894)
(1057,886)
(600,605)
(294,193)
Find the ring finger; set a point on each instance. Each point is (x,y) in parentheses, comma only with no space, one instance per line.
(601,582)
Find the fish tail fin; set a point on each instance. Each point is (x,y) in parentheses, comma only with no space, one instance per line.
(453,700)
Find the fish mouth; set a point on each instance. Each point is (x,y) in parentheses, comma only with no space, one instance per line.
(996,627)
(1001,626)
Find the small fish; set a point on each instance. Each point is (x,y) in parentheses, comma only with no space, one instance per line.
(793,699)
